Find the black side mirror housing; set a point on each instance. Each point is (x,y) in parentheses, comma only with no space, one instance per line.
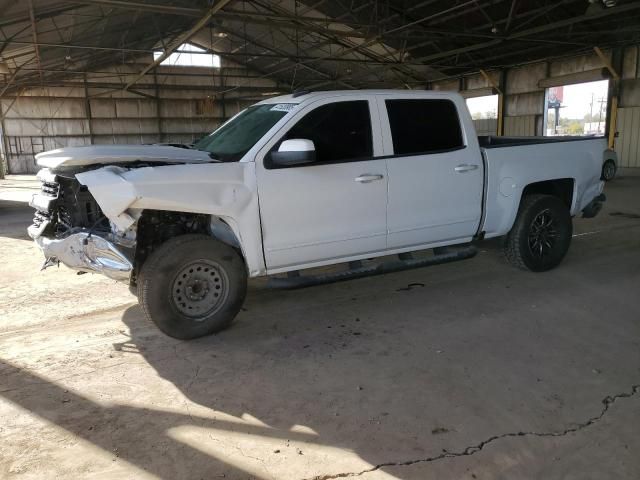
(289,159)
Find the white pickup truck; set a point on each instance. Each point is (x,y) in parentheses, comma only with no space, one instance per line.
(303,181)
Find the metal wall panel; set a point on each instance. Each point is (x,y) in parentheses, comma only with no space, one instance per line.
(630,93)
(36,123)
(579,63)
(628,141)
(486,126)
(521,126)
(40,107)
(45,127)
(524,104)
(631,60)
(103,107)
(525,79)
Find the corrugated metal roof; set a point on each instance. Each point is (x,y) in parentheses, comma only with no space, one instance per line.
(320,44)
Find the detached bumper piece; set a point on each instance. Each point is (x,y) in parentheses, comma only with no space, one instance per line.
(594,206)
(87,253)
(404,262)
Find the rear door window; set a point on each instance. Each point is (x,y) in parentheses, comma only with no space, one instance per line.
(420,126)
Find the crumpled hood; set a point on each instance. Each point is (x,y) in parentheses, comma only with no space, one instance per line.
(115,154)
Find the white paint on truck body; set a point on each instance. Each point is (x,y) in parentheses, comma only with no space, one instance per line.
(517,166)
(311,215)
(118,154)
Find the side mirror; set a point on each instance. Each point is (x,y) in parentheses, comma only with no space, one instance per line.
(297,151)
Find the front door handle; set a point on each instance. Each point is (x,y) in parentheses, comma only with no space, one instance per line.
(465,168)
(368,178)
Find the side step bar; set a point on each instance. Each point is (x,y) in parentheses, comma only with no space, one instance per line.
(403,263)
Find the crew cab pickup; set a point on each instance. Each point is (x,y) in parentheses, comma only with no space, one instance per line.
(303,181)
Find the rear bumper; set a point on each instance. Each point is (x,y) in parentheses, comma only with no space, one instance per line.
(85,252)
(594,206)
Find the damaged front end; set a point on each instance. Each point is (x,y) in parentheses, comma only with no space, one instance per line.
(109,218)
(70,228)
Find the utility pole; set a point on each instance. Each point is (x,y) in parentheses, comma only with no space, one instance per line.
(602,102)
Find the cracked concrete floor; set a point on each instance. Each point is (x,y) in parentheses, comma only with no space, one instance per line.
(475,371)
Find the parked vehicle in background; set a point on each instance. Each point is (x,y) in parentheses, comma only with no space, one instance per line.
(303,181)
(609,165)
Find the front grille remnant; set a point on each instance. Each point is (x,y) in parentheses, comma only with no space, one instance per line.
(73,207)
(41,217)
(50,189)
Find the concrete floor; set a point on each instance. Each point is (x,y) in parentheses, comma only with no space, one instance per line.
(471,370)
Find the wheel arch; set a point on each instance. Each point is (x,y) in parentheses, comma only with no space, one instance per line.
(155,227)
(563,188)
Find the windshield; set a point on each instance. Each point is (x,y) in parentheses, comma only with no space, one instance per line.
(235,138)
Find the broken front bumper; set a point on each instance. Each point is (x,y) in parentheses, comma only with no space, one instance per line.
(85,252)
(79,248)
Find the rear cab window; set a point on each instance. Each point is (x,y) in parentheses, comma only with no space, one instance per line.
(424,126)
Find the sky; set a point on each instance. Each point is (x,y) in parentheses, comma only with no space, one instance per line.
(483,104)
(577,99)
(199,57)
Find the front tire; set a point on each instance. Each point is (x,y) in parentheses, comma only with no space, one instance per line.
(541,234)
(192,286)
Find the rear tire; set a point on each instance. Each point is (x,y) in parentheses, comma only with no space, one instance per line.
(608,170)
(192,286)
(541,234)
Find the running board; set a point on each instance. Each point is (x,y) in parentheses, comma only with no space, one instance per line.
(404,263)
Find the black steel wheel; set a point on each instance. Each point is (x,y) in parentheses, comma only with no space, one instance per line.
(541,234)
(192,286)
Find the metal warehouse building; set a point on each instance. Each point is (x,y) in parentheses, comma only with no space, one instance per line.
(92,71)
(320,239)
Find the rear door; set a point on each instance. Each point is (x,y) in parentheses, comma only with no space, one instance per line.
(334,208)
(435,171)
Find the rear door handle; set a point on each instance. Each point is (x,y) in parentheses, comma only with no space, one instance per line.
(368,178)
(465,168)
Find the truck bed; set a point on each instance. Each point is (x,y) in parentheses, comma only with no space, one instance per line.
(511,163)
(492,141)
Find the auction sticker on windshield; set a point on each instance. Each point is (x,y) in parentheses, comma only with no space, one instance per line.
(283,107)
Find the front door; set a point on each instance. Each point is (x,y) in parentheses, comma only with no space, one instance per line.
(334,208)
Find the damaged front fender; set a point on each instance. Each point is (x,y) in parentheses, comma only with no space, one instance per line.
(224,190)
(108,183)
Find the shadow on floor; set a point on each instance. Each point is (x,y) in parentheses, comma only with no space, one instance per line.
(15,217)
(281,393)
(376,368)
